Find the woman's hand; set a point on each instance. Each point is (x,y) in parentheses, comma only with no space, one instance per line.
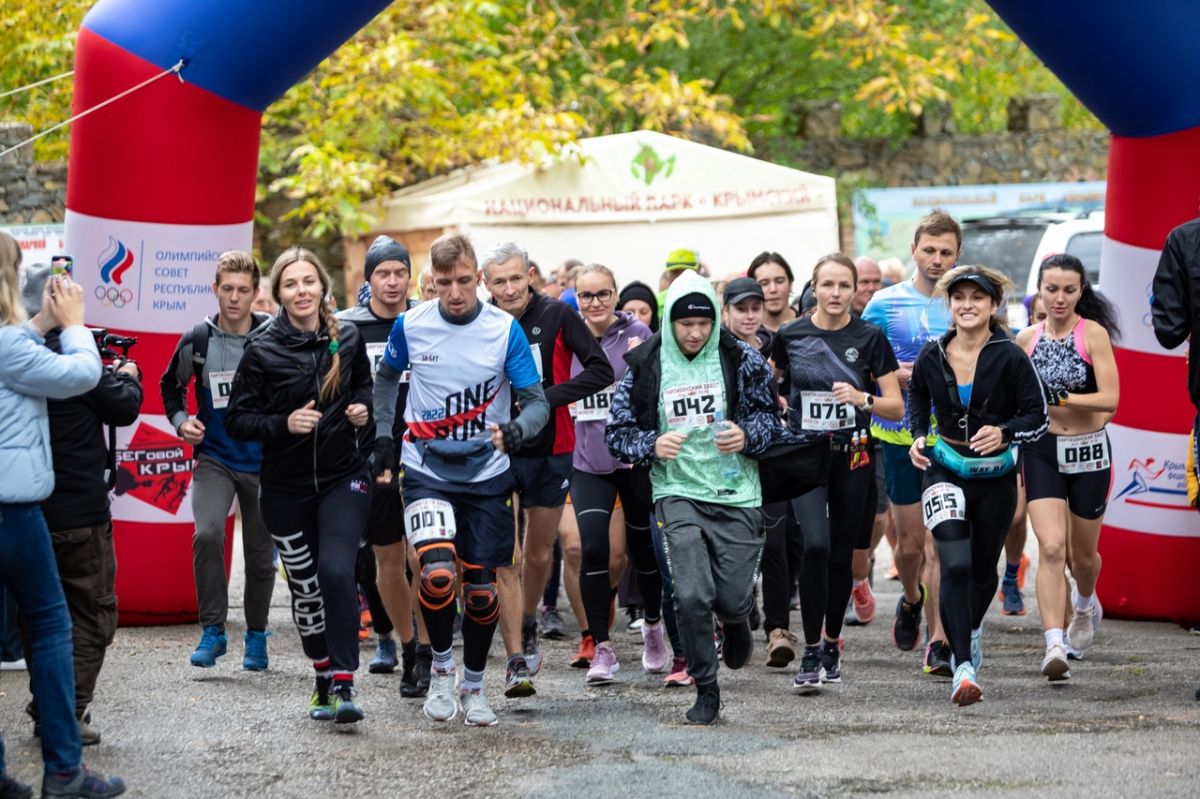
(844,392)
(667,446)
(916,454)
(987,439)
(358,414)
(303,421)
(65,299)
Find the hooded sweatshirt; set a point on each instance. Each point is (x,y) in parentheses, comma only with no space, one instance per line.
(591,414)
(691,391)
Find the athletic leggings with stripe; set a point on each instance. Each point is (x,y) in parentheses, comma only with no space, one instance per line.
(830,518)
(593,497)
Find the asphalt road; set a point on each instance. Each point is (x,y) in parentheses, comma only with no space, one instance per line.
(1126,724)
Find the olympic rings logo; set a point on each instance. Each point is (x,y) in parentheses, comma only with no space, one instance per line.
(111,296)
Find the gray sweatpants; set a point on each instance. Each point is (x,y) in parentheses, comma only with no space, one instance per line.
(713,553)
(213,489)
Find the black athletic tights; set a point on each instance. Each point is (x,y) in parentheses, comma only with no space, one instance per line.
(593,497)
(830,519)
(317,538)
(968,548)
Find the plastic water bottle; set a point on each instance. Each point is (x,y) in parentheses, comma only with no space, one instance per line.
(729,466)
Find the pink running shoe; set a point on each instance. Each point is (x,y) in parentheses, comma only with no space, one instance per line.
(654,648)
(604,665)
(864,602)
(679,675)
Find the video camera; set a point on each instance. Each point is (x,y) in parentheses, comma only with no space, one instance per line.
(109,343)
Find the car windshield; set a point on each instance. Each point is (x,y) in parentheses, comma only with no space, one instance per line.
(1009,248)
(1086,247)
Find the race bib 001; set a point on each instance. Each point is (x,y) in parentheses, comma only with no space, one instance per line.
(594,408)
(221,384)
(820,410)
(429,520)
(943,502)
(694,405)
(1085,453)
(375,355)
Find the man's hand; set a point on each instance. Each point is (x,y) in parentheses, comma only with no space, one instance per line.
(506,437)
(731,440)
(304,420)
(382,459)
(667,446)
(904,374)
(358,414)
(191,431)
(130,368)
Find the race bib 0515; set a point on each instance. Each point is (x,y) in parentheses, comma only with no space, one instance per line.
(943,502)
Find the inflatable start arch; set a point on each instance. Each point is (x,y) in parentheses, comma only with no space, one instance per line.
(164,180)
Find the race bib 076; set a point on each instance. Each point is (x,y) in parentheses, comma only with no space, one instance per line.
(594,408)
(943,502)
(694,405)
(1085,453)
(820,410)
(221,384)
(429,520)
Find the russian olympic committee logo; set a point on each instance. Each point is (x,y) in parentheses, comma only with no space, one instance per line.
(114,262)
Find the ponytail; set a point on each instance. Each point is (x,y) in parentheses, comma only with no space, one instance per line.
(331,383)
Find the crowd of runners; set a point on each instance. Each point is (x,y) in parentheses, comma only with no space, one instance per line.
(448,457)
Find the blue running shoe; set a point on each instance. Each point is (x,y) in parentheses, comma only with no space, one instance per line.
(213,644)
(345,709)
(385,661)
(966,690)
(977,649)
(1014,603)
(255,658)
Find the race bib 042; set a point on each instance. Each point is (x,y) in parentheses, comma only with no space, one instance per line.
(820,410)
(694,405)
(1086,453)
(429,520)
(594,408)
(221,384)
(943,502)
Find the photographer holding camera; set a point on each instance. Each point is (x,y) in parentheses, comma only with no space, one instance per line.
(29,374)
(77,512)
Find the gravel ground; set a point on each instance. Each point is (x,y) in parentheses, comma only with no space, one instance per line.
(1126,724)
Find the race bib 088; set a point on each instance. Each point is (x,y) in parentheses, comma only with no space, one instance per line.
(221,384)
(429,520)
(943,502)
(820,410)
(1085,453)
(694,405)
(594,408)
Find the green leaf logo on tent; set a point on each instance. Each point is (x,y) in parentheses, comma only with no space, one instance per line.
(648,165)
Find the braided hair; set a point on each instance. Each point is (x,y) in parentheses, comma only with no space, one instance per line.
(331,382)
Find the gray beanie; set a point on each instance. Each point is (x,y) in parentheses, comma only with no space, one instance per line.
(385,248)
(36,276)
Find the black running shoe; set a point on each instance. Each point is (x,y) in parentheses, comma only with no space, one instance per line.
(831,662)
(419,687)
(517,682)
(937,659)
(906,630)
(739,643)
(11,789)
(708,704)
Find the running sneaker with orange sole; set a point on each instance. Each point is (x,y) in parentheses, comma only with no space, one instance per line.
(864,602)
(587,651)
(679,674)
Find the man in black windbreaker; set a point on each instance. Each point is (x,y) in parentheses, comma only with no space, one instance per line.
(543,466)
(77,512)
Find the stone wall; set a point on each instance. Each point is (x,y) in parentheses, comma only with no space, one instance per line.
(30,193)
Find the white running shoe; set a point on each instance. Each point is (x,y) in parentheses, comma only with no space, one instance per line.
(439,702)
(476,710)
(1055,666)
(1081,629)
(655,655)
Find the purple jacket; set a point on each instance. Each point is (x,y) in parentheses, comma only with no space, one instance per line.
(591,453)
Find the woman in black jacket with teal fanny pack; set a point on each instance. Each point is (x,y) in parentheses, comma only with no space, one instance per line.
(987,400)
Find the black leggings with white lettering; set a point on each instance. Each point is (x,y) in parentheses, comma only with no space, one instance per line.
(969,549)
(318,538)
(830,518)
(593,497)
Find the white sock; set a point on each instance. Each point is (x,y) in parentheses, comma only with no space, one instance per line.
(1083,603)
(1053,636)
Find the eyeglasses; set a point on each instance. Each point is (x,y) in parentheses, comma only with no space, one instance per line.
(587,297)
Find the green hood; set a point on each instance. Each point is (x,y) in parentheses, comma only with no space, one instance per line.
(689,283)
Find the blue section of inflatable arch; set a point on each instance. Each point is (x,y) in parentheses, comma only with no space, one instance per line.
(247,51)
(1135,65)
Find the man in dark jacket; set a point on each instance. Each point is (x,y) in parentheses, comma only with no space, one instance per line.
(77,512)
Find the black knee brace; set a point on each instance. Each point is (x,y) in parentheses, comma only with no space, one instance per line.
(438,570)
(480,602)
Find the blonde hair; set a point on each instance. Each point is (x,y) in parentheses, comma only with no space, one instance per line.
(12,310)
(835,258)
(998,279)
(331,383)
(233,262)
(600,269)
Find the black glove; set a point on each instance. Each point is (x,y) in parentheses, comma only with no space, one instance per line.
(384,457)
(1055,397)
(512,436)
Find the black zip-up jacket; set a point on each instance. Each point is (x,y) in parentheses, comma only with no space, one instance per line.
(79,445)
(1175,305)
(556,332)
(1006,393)
(281,370)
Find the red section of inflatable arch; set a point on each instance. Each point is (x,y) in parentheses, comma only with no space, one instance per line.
(1127,591)
(156,590)
(1153,186)
(1154,392)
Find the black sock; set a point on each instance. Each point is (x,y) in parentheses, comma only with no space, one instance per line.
(408,648)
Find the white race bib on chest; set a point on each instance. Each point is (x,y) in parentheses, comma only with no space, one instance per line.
(1086,453)
(694,405)
(221,384)
(429,521)
(594,408)
(820,410)
(375,353)
(943,502)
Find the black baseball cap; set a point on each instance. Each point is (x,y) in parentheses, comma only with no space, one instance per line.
(741,288)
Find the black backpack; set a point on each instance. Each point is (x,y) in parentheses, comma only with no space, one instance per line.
(200,341)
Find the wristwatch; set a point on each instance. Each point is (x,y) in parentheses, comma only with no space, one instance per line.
(868,403)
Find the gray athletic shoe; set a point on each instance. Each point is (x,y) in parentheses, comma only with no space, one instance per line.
(476,711)
(439,703)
